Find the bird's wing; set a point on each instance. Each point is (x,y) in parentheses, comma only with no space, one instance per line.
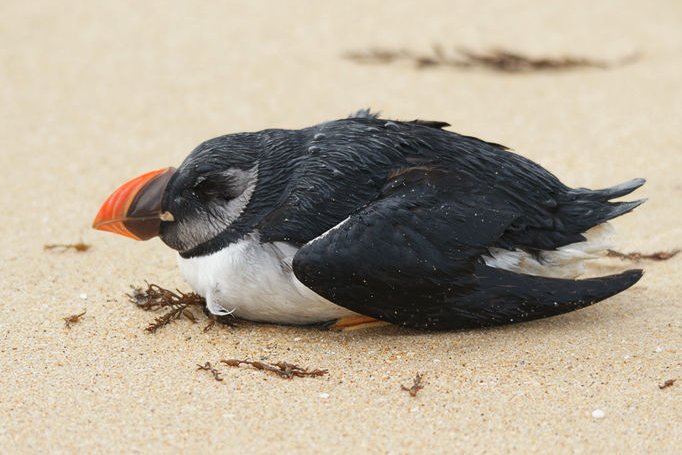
(413,257)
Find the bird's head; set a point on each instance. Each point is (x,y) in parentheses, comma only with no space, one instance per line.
(187,206)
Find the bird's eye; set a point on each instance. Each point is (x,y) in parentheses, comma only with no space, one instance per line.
(213,187)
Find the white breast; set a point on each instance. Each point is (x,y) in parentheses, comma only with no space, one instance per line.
(255,281)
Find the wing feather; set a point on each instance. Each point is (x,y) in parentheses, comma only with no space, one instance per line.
(414,257)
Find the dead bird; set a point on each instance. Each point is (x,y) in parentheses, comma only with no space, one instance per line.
(398,221)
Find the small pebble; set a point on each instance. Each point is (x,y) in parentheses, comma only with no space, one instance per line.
(84,296)
(598,414)
(658,349)
(297,339)
(324,395)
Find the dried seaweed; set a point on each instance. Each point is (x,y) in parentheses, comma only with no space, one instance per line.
(209,325)
(282,369)
(208,367)
(499,60)
(79,247)
(637,256)
(513,62)
(177,304)
(666,384)
(417,385)
(73,319)
(227,319)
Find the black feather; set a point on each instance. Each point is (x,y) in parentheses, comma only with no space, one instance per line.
(414,257)
(311,179)
(431,123)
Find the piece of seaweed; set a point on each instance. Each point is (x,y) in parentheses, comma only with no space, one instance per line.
(500,60)
(73,319)
(177,303)
(637,256)
(282,369)
(208,367)
(417,385)
(667,383)
(79,247)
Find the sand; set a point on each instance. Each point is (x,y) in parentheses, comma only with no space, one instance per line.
(94,93)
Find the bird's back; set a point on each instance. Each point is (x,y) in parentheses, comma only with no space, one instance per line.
(338,167)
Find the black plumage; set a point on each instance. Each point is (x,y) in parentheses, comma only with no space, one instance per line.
(422,206)
(311,179)
(415,258)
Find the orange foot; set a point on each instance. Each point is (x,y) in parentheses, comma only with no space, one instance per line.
(349,323)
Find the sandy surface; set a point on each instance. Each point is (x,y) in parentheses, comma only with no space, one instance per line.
(93,95)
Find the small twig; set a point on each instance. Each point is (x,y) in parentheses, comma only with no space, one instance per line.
(79,247)
(417,385)
(73,319)
(282,369)
(208,367)
(666,384)
(637,256)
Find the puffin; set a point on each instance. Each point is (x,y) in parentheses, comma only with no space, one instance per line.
(365,219)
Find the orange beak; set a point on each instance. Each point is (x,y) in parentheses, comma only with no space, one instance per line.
(134,209)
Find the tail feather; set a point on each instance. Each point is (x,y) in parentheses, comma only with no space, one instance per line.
(589,208)
(622,189)
(503,297)
(610,210)
(621,208)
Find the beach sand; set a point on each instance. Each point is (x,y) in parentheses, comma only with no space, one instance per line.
(95,93)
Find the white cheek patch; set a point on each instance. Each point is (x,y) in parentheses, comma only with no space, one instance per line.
(565,262)
(218,217)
